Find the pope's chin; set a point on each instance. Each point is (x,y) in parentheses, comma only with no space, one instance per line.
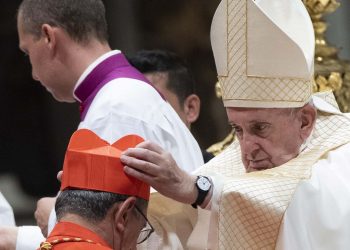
(253,166)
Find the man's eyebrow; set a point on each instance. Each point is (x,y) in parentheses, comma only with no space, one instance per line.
(259,121)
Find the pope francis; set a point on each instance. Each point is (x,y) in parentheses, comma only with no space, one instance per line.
(284,183)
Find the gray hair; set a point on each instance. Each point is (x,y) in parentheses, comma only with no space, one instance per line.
(90,205)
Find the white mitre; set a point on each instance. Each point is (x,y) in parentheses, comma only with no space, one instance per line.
(264,53)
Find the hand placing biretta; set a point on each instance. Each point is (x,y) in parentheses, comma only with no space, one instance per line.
(93,164)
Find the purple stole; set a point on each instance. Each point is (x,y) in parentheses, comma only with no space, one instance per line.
(115,66)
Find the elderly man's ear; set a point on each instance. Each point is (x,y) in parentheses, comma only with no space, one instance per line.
(121,216)
(192,107)
(308,115)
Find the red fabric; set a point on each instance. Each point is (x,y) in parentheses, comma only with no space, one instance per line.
(93,164)
(71,230)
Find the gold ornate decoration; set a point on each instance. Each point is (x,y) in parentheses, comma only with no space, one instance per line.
(218,147)
(218,90)
(331,73)
(50,245)
(252,205)
(45,246)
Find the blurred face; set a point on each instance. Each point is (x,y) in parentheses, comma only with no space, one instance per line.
(159,81)
(43,65)
(132,232)
(268,137)
(135,229)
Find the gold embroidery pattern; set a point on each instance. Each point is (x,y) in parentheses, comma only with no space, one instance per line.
(240,88)
(252,205)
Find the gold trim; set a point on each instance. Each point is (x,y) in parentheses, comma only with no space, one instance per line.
(267,194)
(46,245)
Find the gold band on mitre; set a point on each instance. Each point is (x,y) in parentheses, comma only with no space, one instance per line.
(263,58)
(270,93)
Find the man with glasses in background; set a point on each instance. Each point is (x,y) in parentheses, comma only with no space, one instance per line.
(99,207)
(284,183)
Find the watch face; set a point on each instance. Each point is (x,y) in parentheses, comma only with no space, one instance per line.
(203,183)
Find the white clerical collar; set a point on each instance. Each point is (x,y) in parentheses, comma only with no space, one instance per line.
(92,66)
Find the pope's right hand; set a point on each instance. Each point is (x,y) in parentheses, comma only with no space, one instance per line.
(152,164)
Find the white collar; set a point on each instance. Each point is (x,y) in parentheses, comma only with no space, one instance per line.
(91,67)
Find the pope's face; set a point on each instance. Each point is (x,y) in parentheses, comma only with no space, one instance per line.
(268,137)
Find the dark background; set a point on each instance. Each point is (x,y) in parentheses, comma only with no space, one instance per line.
(35,129)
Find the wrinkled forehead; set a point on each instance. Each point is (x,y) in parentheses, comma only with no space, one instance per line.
(238,114)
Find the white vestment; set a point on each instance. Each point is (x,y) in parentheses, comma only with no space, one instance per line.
(6,213)
(28,237)
(317,218)
(128,106)
(318,213)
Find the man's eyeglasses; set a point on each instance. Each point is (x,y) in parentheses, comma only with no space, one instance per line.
(146,231)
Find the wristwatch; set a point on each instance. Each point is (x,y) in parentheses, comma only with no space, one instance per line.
(203,185)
